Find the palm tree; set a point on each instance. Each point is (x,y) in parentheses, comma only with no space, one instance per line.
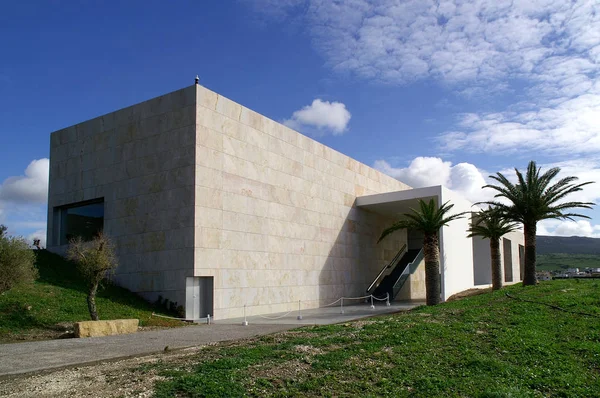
(533,199)
(489,224)
(428,219)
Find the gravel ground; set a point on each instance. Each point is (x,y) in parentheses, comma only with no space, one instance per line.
(124,378)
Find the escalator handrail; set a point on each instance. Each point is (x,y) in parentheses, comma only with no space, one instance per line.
(409,267)
(390,265)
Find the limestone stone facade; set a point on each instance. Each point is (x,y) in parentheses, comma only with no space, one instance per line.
(194,185)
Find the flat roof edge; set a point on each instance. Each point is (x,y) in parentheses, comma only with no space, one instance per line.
(396,196)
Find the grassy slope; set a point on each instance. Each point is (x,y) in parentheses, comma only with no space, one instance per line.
(562,261)
(482,346)
(59,295)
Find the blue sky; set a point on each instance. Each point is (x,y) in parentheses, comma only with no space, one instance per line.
(431,92)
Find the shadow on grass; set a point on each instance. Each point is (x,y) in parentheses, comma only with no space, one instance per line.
(58,271)
(15,314)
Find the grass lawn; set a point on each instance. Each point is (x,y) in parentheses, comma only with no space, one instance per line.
(482,346)
(32,311)
(562,261)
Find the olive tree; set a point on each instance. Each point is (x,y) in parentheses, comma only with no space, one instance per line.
(95,260)
(17,261)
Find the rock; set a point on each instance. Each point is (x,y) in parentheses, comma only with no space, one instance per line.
(106,328)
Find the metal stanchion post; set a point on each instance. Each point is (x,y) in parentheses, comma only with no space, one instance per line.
(342,306)
(387,300)
(299,317)
(372,306)
(208,319)
(245,323)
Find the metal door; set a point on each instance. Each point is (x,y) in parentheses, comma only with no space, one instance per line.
(199,297)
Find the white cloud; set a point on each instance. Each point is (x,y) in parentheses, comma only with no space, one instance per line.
(23,199)
(29,188)
(39,234)
(322,115)
(453,41)
(548,48)
(468,180)
(568,228)
(463,178)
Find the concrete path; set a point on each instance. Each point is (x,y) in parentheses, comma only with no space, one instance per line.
(21,358)
(325,315)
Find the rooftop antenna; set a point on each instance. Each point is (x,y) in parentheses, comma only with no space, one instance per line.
(197,80)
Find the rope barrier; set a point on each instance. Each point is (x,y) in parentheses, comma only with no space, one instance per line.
(277,317)
(340,300)
(299,317)
(335,302)
(381,299)
(170,317)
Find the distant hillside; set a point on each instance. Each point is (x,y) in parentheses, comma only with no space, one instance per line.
(568,244)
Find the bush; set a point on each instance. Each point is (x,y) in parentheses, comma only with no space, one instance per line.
(16,262)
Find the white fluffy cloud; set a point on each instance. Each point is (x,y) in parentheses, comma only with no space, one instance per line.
(29,188)
(550,49)
(569,228)
(467,180)
(321,115)
(463,178)
(451,40)
(23,199)
(39,234)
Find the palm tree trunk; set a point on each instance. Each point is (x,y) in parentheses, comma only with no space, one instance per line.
(530,230)
(431,253)
(496,264)
(91,301)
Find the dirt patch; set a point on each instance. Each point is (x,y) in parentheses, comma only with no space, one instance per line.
(125,378)
(308,349)
(469,293)
(361,324)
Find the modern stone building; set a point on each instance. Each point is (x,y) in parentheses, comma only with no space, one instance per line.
(214,206)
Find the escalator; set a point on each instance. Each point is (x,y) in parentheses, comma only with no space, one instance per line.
(404,264)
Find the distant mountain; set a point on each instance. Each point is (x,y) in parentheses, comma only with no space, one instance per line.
(567,244)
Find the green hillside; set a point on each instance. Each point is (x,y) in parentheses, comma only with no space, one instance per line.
(33,311)
(562,261)
(556,253)
(567,244)
(485,346)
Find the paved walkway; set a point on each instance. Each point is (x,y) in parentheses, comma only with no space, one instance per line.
(21,358)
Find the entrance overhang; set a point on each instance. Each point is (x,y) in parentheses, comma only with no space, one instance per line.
(456,249)
(393,204)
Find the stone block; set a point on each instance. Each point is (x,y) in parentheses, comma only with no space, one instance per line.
(106,328)
(206,98)
(228,108)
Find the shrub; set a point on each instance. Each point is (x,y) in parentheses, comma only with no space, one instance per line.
(17,262)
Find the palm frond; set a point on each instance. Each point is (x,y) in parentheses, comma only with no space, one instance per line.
(429,218)
(491,224)
(534,197)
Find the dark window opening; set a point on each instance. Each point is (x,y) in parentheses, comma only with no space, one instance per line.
(83,220)
(508,264)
